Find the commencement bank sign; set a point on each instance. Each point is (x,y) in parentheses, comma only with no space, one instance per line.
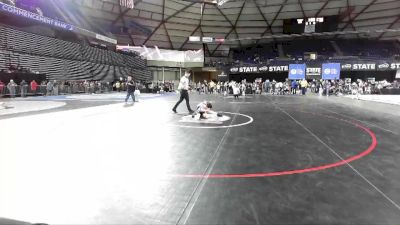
(33,16)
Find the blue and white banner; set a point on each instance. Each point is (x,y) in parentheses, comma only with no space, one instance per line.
(297,71)
(331,71)
(33,16)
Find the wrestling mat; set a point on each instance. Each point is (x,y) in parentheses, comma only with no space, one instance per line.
(212,119)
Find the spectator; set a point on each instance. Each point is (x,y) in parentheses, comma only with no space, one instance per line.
(49,88)
(11,88)
(86,86)
(118,86)
(236,90)
(1,88)
(212,86)
(273,85)
(294,87)
(137,93)
(24,88)
(267,86)
(34,86)
(131,87)
(92,87)
(55,88)
(43,87)
(304,85)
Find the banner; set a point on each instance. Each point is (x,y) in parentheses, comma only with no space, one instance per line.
(313,71)
(383,66)
(244,69)
(395,66)
(259,69)
(359,66)
(297,71)
(278,68)
(388,66)
(36,17)
(165,55)
(248,69)
(331,71)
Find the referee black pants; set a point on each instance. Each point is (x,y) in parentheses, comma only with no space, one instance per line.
(184,96)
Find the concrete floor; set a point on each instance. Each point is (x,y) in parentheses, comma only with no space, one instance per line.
(277,160)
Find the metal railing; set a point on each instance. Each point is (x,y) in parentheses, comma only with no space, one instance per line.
(44,90)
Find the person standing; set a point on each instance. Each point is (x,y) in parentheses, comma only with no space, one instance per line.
(11,88)
(24,88)
(267,86)
(236,91)
(34,86)
(184,88)
(2,85)
(118,86)
(294,87)
(130,89)
(49,88)
(304,85)
(137,92)
(55,88)
(273,85)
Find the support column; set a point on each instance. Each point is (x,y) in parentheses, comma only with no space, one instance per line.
(163,75)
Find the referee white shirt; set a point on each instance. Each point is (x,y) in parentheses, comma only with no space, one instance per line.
(184,83)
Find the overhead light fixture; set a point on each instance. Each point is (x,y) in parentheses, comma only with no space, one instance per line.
(207,39)
(194,39)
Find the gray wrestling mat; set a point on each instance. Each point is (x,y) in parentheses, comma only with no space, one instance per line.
(213,119)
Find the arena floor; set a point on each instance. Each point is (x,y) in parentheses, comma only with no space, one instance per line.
(274,160)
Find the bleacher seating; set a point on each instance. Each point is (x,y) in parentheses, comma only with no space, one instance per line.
(256,54)
(368,48)
(325,49)
(296,49)
(63,60)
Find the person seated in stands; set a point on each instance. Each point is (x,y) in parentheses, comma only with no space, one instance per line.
(203,109)
(13,68)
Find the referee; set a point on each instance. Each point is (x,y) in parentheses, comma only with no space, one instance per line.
(184,87)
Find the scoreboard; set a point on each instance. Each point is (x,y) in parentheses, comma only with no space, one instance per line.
(310,25)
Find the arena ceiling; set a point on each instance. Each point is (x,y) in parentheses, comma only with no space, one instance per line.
(168,23)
